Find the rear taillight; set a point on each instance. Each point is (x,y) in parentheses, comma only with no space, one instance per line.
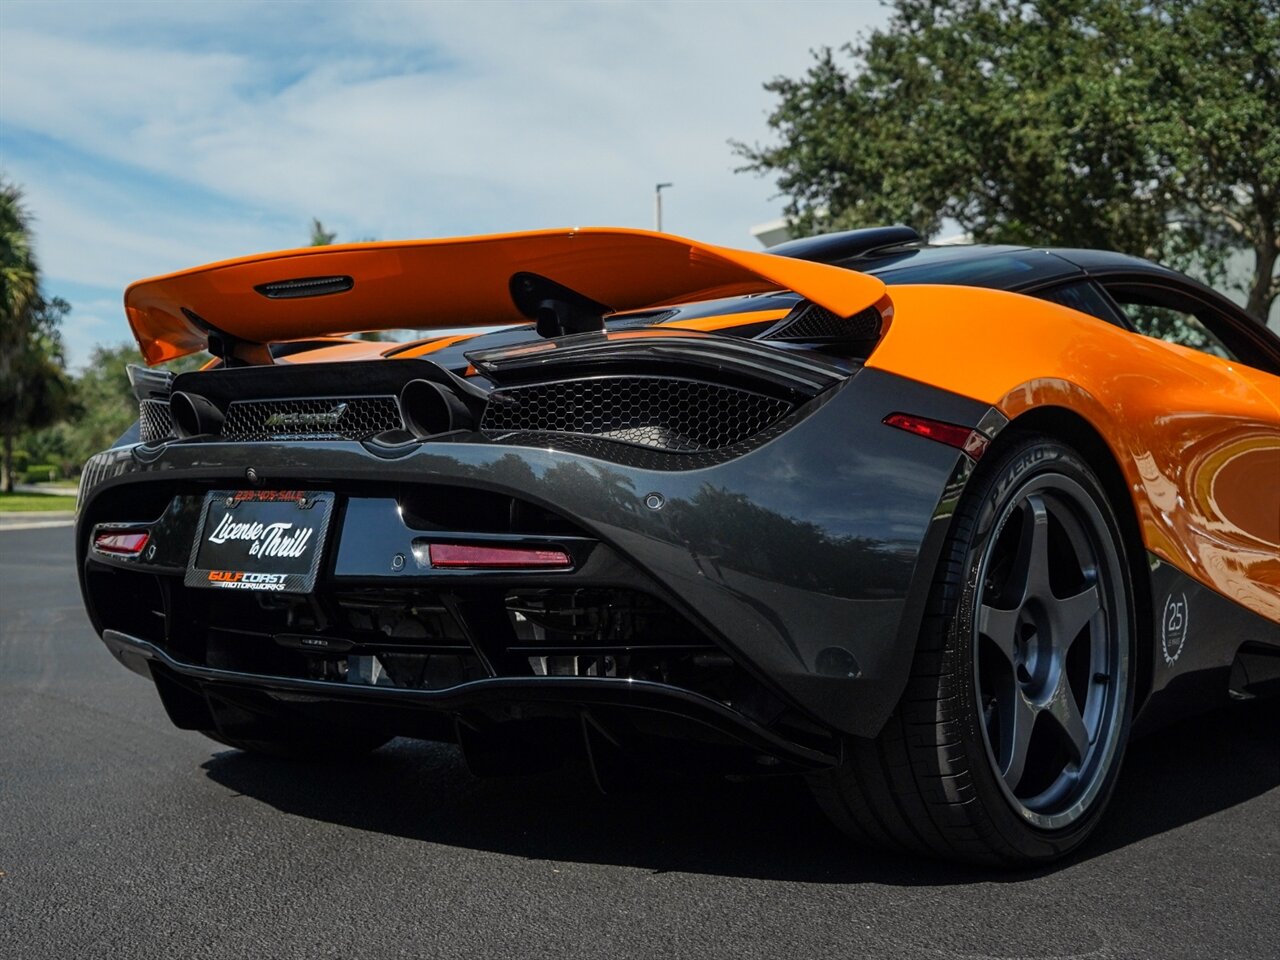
(972,442)
(495,557)
(122,543)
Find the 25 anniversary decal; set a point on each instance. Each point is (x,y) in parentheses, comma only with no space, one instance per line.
(1173,627)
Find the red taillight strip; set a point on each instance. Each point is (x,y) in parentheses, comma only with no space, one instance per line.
(973,442)
(493,557)
(124,543)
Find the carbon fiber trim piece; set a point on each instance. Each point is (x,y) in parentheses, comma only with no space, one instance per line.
(335,418)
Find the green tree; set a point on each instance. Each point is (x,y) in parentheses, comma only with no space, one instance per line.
(1145,126)
(320,237)
(105,407)
(34,388)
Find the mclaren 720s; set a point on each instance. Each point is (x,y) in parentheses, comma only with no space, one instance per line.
(937,528)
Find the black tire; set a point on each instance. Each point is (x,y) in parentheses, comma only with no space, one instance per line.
(294,744)
(943,778)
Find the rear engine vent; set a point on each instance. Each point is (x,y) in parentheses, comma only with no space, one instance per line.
(666,413)
(154,421)
(304,287)
(810,323)
(353,418)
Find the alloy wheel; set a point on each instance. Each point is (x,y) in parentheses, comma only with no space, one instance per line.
(1050,650)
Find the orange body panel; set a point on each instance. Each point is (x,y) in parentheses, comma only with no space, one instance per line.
(426,347)
(339,350)
(462,283)
(700,324)
(724,321)
(1198,438)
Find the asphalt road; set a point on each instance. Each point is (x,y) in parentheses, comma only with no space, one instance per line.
(122,837)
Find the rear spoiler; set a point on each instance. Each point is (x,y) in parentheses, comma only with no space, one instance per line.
(236,305)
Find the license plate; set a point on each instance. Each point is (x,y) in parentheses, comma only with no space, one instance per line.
(265,540)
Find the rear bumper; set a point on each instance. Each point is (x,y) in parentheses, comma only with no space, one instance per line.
(807,559)
(483,703)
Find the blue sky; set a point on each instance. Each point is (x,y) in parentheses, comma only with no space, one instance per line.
(155,136)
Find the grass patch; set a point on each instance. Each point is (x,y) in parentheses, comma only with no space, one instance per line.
(23,502)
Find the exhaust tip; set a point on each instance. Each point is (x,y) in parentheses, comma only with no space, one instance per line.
(194,415)
(428,409)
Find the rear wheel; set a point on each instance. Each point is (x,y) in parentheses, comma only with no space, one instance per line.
(1007,741)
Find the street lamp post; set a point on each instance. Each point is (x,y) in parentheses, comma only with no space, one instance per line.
(657,204)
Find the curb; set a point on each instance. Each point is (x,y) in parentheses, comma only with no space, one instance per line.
(36,519)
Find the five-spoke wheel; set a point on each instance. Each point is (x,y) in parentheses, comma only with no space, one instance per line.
(1051,666)
(1007,741)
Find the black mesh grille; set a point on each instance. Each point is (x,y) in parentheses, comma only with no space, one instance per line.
(679,416)
(154,422)
(352,418)
(811,323)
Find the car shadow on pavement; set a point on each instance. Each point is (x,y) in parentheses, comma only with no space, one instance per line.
(769,829)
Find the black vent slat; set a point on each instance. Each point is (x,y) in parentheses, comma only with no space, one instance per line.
(810,323)
(665,413)
(350,418)
(304,287)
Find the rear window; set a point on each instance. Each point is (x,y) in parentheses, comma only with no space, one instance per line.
(959,267)
(1083,296)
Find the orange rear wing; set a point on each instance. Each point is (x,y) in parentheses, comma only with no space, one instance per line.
(464,282)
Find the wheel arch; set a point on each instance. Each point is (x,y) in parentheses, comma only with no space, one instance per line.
(1071,428)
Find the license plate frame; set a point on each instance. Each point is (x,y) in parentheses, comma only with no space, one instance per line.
(263,541)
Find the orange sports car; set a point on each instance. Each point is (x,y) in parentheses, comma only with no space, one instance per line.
(936,527)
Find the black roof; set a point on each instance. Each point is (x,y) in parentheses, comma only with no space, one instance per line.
(898,254)
(998,267)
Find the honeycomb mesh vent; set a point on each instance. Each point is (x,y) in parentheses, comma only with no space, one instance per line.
(154,421)
(811,323)
(666,413)
(353,418)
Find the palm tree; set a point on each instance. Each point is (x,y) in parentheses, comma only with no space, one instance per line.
(35,391)
(19,294)
(19,275)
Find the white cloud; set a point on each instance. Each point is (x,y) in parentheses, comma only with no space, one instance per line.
(386,119)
